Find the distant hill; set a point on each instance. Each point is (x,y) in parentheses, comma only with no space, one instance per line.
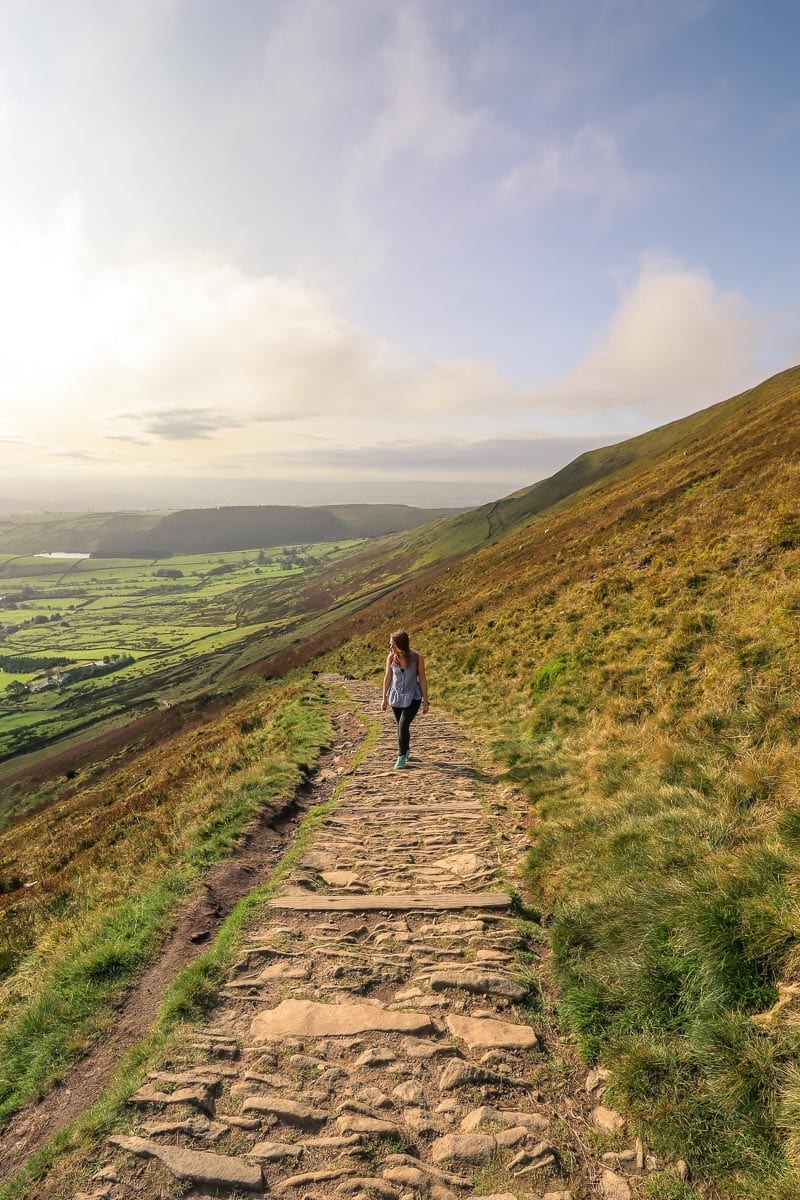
(203,530)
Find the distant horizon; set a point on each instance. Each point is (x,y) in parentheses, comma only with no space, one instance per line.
(39,497)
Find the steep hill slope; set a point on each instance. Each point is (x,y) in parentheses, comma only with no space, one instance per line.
(636,660)
(397,560)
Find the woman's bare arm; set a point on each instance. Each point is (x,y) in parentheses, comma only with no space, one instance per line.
(423,682)
(387,679)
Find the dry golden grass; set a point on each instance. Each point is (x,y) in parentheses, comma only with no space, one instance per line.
(634,657)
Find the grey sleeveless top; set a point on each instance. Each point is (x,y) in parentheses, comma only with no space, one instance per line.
(404,688)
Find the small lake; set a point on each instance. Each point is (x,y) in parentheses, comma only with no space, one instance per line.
(61,554)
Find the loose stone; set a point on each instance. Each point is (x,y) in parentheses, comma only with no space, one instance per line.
(486,1116)
(199,1096)
(614,1187)
(484,983)
(423,1049)
(403,1070)
(409,1093)
(472,1148)
(272,1080)
(376,1098)
(307,1062)
(341,879)
(410,1177)
(354,1123)
(421,1122)
(412,993)
(240,1122)
(377,1056)
(458,1073)
(607,1120)
(462,865)
(361,1186)
(540,1165)
(509,1138)
(295,1181)
(201,1077)
(333,1143)
(595,1079)
(288,1111)
(437,1173)
(195,1127)
(275,1151)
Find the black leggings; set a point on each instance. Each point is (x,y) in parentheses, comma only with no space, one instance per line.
(404,717)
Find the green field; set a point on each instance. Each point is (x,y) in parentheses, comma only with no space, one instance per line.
(153,617)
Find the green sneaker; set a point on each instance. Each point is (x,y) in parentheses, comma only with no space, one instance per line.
(401,762)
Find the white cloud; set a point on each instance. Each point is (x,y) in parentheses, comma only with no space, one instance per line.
(588,166)
(177,424)
(420,114)
(676,343)
(191,351)
(189,364)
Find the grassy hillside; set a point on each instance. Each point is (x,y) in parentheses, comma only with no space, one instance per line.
(91,876)
(626,636)
(635,659)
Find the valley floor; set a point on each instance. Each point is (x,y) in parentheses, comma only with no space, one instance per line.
(385,1032)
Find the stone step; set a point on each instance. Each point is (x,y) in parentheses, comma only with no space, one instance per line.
(391,902)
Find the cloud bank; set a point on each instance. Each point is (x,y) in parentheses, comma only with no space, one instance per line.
(188,364)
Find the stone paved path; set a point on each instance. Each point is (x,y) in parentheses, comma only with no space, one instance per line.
(373,1041)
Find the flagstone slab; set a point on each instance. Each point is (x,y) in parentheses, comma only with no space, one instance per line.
(309,1018)
(464,863)
(196,1166)
(482,1032)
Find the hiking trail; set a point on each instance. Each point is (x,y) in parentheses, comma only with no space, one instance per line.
(380,1037)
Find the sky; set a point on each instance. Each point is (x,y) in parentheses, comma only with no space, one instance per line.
(382,248)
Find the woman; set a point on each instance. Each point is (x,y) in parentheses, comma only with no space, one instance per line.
(404,688)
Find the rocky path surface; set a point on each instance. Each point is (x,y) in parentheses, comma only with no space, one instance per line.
(378,1037)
